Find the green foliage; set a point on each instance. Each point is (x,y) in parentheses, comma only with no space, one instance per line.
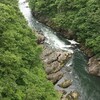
(80,16)
(41,7)
(21,72)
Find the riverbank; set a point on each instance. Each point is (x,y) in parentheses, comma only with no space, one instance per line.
(54,61)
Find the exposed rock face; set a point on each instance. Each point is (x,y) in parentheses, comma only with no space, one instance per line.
(94,66)
(86,50)
(52,57)
(54,77)
(53,67)
(54,60)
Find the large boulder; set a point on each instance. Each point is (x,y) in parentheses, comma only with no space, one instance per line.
(53,67)
(94,66)
(52,57)
(73,95)
(65,84)
(55,77)
(63,56)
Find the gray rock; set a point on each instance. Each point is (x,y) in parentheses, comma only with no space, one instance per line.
(65,84)
(73,95)
(53,67)
(46,52)
(94,66)
(52,57)
(63,56)
(55,76)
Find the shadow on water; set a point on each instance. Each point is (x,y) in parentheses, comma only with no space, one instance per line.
(90,85)
(63,39)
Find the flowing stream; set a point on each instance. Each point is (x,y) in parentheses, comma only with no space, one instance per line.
(87,85)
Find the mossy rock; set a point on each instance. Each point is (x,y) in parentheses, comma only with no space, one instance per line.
(65,84)
(73,95)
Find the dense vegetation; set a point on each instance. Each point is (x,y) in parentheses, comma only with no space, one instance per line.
(80,16)
(21,73)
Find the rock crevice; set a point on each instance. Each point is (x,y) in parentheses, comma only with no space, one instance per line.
(54,60)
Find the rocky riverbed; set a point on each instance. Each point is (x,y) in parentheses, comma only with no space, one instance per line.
(54,60)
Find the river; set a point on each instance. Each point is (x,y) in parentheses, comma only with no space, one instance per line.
(87,85)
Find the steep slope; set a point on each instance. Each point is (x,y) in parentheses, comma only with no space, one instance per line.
(21,72)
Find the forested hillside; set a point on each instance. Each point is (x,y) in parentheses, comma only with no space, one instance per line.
(21,72)
(82,17)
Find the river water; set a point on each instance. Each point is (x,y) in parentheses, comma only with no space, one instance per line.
(87,85)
